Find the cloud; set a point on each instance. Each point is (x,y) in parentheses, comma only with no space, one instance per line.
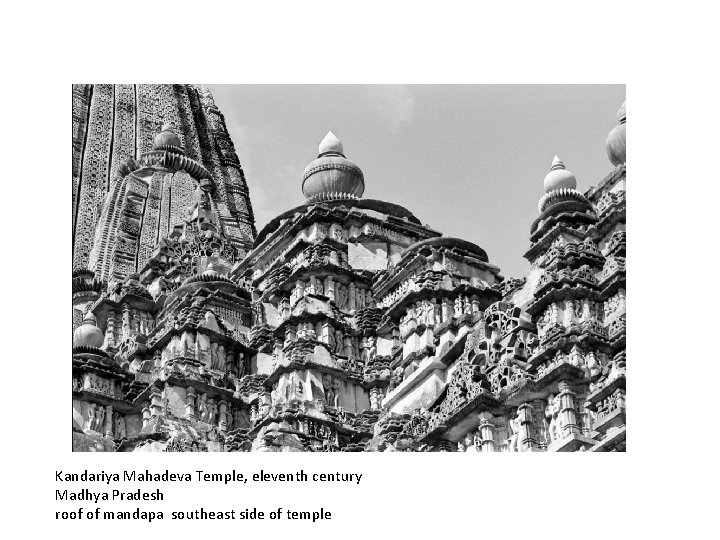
(394,102)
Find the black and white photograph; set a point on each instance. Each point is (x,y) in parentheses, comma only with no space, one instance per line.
(336,315)
(321,252)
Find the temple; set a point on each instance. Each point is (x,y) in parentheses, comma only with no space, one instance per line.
(343,325)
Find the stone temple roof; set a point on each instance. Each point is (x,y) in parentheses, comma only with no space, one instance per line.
(449,242)
(383,207)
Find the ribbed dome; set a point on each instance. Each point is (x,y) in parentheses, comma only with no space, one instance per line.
(615,145)
(558,177)
(332,175)
(167,139)
(88,334)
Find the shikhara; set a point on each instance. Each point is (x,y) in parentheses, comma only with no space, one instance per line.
(345,324)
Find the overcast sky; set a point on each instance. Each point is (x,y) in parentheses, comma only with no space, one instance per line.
(467,160)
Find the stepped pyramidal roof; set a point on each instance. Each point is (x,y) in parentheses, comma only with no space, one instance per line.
(345,324)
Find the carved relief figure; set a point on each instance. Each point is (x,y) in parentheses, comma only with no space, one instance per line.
(372,353)
(337,389)
(229,419)
(90,416)
(513,441)
(342,297)
(213,356)
(120,428)
(202,408)
(429,313)
(212,410)
(470,443)
(339,340)
(359,298)
(99,419)
(552,411)
(329,390)
(330,288)
(221,358)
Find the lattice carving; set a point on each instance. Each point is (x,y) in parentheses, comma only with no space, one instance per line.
(95,168)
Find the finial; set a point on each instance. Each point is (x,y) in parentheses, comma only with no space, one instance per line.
(330,143)
(558,177)
(88,334)
(331,176)
(621,114)
(615,144)
(90,319)
(167,139)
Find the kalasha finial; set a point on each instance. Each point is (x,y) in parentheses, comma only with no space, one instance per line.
(615,144)
(90,318)
(88,334)
(167,139)
(330,143)
(331,176)
(558,177)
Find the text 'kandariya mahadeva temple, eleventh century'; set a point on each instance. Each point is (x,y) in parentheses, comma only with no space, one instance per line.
(344,325)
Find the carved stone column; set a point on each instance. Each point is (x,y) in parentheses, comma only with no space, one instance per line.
(190,403)
(375,398)
(108,421)
(475,305)
(290,334)
(568,411)
(446,310)
(351,297)
(298,292)
(348,346)
(145,414)
(540,427)
(486,432)
(327,330)
(570,316)
(222,413)
(526,439)
(126,322)
(556,314)
(155,402)
(396,339)
(110,332)
(330,288)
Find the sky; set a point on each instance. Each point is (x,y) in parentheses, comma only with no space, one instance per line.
(467,160)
